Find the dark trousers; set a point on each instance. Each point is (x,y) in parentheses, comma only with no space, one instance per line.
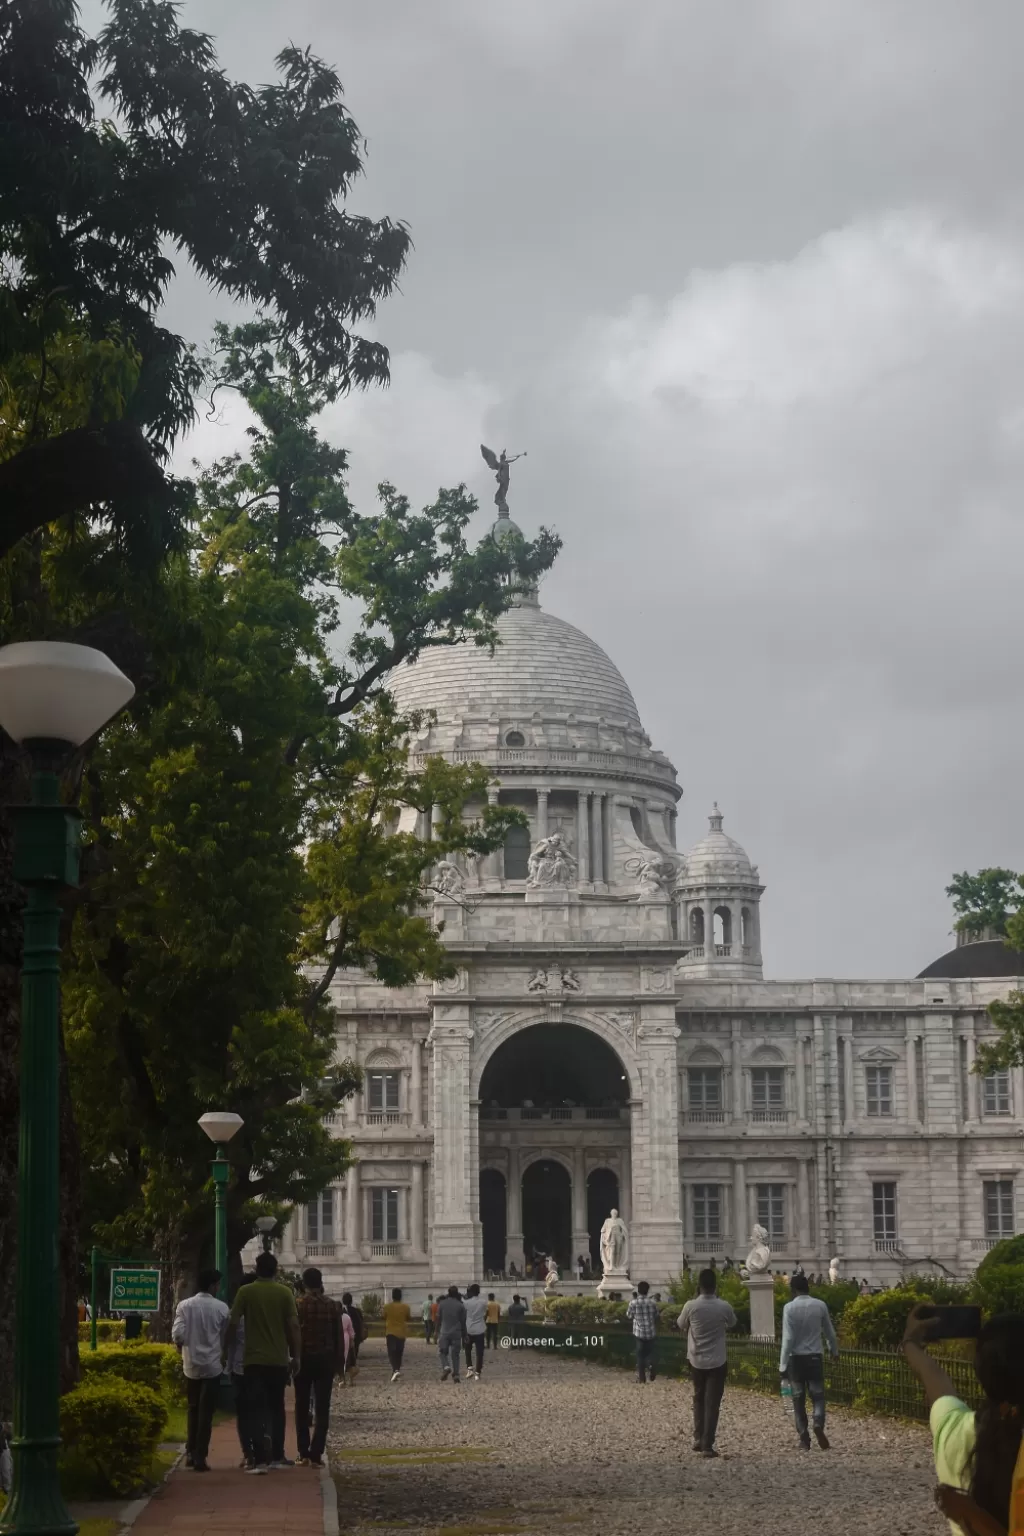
(708,1387)
(807,1374)
(242,1414)
(313,1387)
(645,1358)
(264,1390)
(396,1349)
(491,1338)
(428,1330)
(475,1341)
(202,1400)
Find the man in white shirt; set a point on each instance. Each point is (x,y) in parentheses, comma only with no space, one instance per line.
(199,1328)
(476,1330)
(805,1320)
(703,1322)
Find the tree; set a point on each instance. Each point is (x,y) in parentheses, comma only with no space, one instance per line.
(985,900)
(243,825)
(248,185)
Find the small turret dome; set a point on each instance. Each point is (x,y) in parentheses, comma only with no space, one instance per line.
(719,854)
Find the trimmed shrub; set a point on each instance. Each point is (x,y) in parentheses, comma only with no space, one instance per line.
(156,1366)
(116,1425)
(878,1322)
(999,1288)
(1009,1251)
(837,1297)
(371,1305)
(579,1311)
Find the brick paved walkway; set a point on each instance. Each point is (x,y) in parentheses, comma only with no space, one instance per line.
(224,1502)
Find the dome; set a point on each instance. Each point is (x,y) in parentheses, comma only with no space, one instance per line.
(718,854)
(543,665)
(986,958)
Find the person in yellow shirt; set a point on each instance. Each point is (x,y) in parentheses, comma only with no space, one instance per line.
(491,1318)
(396,1330)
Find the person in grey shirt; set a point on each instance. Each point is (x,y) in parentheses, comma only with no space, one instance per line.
(805,1320)
(476,1327)
(703,1322)
(451,1330)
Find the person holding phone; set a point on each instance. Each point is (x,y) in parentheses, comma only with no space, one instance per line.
(978,1457)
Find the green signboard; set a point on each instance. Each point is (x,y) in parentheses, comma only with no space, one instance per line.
(134,1290)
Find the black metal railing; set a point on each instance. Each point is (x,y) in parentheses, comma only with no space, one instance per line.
(873,1381)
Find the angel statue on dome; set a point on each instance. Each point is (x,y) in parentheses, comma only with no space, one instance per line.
(501,467)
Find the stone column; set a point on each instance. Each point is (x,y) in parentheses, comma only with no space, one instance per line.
(740,1218)
(580,1231)
(582,837)
(709,929)
(457,1238)
(597,841)
(542,814)
(626,1187)
(913,1108)
(493,863)
(514,1213)
(352,1231)
(849,1086)
(739,1108)
(973,1086)
(416,1084)
(656,1245)
(801,1082)
(416,1214)
(803,1210)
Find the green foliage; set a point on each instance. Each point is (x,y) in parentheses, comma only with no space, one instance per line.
(1009,1251)
(371,1305)
(116,1424)
(837,1297)
(108,1329)
(579,1311)
(878,1322)
(985,900)
(999,1288)
(730,1287)
(157,1366)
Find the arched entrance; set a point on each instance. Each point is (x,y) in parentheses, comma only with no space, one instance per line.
(492,1218)
(554,1066)
(547,1211)
(602,1197)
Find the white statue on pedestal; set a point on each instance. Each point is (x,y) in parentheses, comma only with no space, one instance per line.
(759,1259)
(833,1271)
(614,1245)
(551,1278)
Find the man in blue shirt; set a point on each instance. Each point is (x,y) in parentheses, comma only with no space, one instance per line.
(805,1321)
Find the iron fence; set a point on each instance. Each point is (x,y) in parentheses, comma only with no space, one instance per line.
(873,1381)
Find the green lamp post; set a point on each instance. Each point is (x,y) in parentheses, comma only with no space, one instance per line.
(53,698)
(220,1127)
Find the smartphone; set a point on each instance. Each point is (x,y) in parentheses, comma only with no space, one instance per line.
(953,1322)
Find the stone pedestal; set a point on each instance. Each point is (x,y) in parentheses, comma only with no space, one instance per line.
(614,1280)
(762,1306)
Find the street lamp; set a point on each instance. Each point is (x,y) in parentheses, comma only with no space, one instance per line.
(220,1127)
(53,698)
(264,1226)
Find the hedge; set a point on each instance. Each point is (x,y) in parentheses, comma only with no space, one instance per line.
(156,1366)
(116,1425)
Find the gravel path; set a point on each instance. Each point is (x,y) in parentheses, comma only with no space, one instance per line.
(539,1444)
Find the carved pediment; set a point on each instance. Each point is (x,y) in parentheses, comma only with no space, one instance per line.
(879,1053)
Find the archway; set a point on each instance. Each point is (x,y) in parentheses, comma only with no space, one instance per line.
(492,1218)
(602,1196)
(552,1066)
(547,1211)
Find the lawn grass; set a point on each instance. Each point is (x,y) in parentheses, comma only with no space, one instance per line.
(176,1428)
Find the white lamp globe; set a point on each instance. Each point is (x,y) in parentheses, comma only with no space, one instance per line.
(50,691)
(220,1126)
(265,1223)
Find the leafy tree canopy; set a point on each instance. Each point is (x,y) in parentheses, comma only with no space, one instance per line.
(985,900)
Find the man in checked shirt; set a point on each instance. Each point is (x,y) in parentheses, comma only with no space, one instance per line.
(642,1312)
(320,1320)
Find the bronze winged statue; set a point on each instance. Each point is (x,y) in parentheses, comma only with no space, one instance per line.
(501,467)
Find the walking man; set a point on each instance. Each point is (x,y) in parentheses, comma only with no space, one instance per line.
(199,1327)
(428,1319)
(358,1335)
(493,1314)
(396,1331)
(476,1330)
(323,1356)
(642,1312)
(703,1322)
(273,1351)
(805,1321)
(451,1330)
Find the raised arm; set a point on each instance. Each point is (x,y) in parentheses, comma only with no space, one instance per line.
(933,1378)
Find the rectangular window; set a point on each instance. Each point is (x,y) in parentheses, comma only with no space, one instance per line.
(320,1219)
(770,1209)
(383,1088)
(883,1200)
(768,1088)
(996,1092)
(384,1203)
(998,1208)
(705,1088)
(707,1212)
(879,1086)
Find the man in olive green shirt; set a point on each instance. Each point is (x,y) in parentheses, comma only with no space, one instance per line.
(272,1335)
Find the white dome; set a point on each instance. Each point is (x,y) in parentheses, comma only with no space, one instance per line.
(543,665)
(718,854)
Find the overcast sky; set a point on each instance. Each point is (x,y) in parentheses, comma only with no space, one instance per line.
(747,282)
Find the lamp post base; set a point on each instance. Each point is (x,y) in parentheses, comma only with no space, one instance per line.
(36,1507)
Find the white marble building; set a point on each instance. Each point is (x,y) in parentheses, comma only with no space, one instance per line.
(609,1039)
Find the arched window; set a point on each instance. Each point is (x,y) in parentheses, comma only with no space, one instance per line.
(723,927)
(517,853)
(697,925)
